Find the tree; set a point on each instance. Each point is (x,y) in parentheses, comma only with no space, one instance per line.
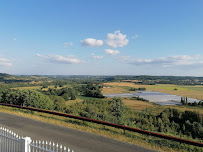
(29,98)
(182,101)
(45,85)
(191,116)
(65,96)
(92,90)
(72,94)
(59,102)
(116,108)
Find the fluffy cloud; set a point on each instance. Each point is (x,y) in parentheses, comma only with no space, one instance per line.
(14,39)
(111,52)
(90,42)
(116,39)
(67,44)
(169,61)
(96,57)
(60,59)
(5,62)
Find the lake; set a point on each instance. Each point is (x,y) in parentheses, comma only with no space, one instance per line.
(155,97)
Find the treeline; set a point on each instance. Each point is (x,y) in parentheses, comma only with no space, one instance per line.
(66,93)
(139,98)
(29,98)
(184,101)
(170,121)
(137,89)
(51,98)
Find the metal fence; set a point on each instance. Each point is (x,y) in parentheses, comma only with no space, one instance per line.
(11,142)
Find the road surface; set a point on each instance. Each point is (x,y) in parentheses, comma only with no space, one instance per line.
(76,140)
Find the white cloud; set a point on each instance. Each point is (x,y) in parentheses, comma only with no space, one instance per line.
(14,39)
(67,44)
(60,59)
(96,57)
(111,52)
(90,42)
(38,54)
(135,36)
(116,39)
(181,60)
(5,62)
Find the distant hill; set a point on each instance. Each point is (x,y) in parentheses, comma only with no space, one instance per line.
(7,78)
(4,76)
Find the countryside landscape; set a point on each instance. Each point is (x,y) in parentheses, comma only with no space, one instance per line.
(84,96)
(101,76)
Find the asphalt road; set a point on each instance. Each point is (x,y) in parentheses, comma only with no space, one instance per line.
(76,140)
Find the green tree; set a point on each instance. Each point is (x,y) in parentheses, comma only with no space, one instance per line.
(59,103)
(29,98)
(65,96)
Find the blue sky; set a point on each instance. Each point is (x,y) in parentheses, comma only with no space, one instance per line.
(108,37)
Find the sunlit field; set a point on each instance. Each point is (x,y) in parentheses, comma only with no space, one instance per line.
(156,109)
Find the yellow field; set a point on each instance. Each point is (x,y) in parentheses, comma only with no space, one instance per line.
(139,105)
(27,88)
(114,89)
(187,91)
(156,109)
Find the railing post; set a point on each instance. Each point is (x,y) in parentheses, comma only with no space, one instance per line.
(25,142)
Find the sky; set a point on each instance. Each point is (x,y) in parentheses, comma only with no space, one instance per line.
(108,37)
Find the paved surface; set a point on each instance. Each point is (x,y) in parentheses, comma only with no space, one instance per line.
(77,140)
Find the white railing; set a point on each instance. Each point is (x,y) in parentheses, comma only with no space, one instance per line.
(11,142)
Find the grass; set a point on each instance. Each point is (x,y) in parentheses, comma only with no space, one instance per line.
(138,105)
(110,132)
(80,99)
(70,102)
(187,91)
(114,89)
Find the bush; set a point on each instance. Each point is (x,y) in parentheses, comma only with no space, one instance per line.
(29,98)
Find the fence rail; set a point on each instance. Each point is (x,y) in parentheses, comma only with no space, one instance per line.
(11,142)
(181,140)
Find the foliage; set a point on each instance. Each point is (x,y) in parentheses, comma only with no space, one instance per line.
(170,121)
(137,89)
(65,96)
(64,92)
(29,98)
(59,102)
(91,90)
(184,101)
(139,98)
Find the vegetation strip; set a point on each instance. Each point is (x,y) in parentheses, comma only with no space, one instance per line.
(112,125)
